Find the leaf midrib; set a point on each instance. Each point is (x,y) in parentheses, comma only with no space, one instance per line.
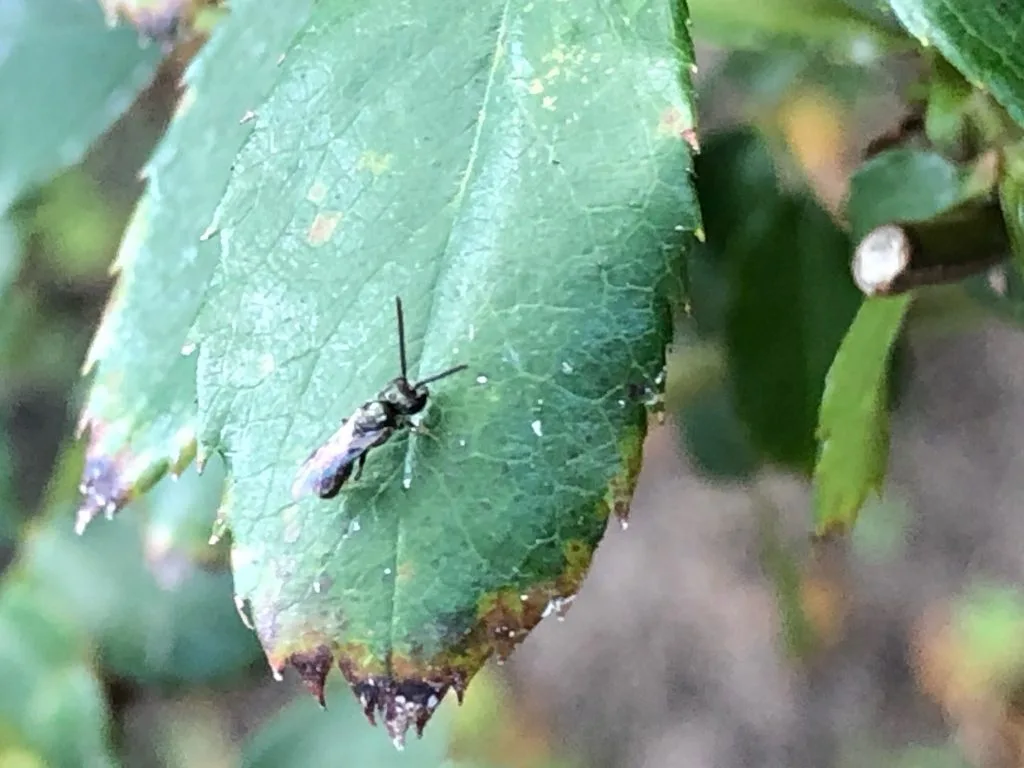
(457,208)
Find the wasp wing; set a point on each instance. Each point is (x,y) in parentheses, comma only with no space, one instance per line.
(330,466)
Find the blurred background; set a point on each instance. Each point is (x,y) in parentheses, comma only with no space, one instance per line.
(710,633)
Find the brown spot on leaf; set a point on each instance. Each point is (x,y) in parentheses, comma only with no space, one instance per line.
(406,691)
(405,688)
(313,667)
(322,228)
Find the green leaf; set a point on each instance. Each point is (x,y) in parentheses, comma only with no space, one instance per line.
(989,618)
(11,513)
(70,77)
(794,300)
(764,78)
(52,706)
(1011,199)
(11,252)
(846,31)
(697,388)
(519,174)
(302,736)
(978,37)
(715,439)
(790,296)
(853,426)
(902,185)
(949,102)
(156,616)
(141,412)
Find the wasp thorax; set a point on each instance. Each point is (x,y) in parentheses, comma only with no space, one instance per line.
(342,457)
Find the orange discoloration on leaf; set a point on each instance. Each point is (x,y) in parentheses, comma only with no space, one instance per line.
(406,688)
(674,123)
(406,572)
(621,486)
(317,192)
(322,228)
(374,162)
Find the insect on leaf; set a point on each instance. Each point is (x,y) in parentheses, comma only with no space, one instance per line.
(519,173)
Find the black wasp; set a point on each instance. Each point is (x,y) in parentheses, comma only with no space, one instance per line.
(331,465)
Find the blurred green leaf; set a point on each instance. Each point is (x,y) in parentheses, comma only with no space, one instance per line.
(794,301)
(742,24)
(304,736)
(949,99)
(11,513)
(1011,199)
(698,389)
(70,77)
(496,729)
(990,620)
(926,757)
(38,346)
(51,702)
(771,282)
(979,37)
(876,11)
(783,567)
(533,220)
(790,295)
(902,185)
(853,426)
(762,79)
(188,633)
(76,226)
(11,252)
(178,518)
(715,439)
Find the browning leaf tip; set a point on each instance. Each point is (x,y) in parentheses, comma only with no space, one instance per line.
(313,667)
(402,703)
(102,491)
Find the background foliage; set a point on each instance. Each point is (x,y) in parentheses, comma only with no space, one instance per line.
(548,239)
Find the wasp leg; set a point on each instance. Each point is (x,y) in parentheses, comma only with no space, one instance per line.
(359,467)
(419,429)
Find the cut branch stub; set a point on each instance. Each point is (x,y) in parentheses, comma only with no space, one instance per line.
(894,258)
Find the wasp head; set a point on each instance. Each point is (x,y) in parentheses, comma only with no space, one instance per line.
(406,398)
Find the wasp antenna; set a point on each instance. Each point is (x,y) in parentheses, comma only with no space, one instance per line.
(401,337)
(441,375)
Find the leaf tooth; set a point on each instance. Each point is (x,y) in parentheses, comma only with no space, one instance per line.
(313,667)
(366,690)
(103,490)
(459,683)
(411,702)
